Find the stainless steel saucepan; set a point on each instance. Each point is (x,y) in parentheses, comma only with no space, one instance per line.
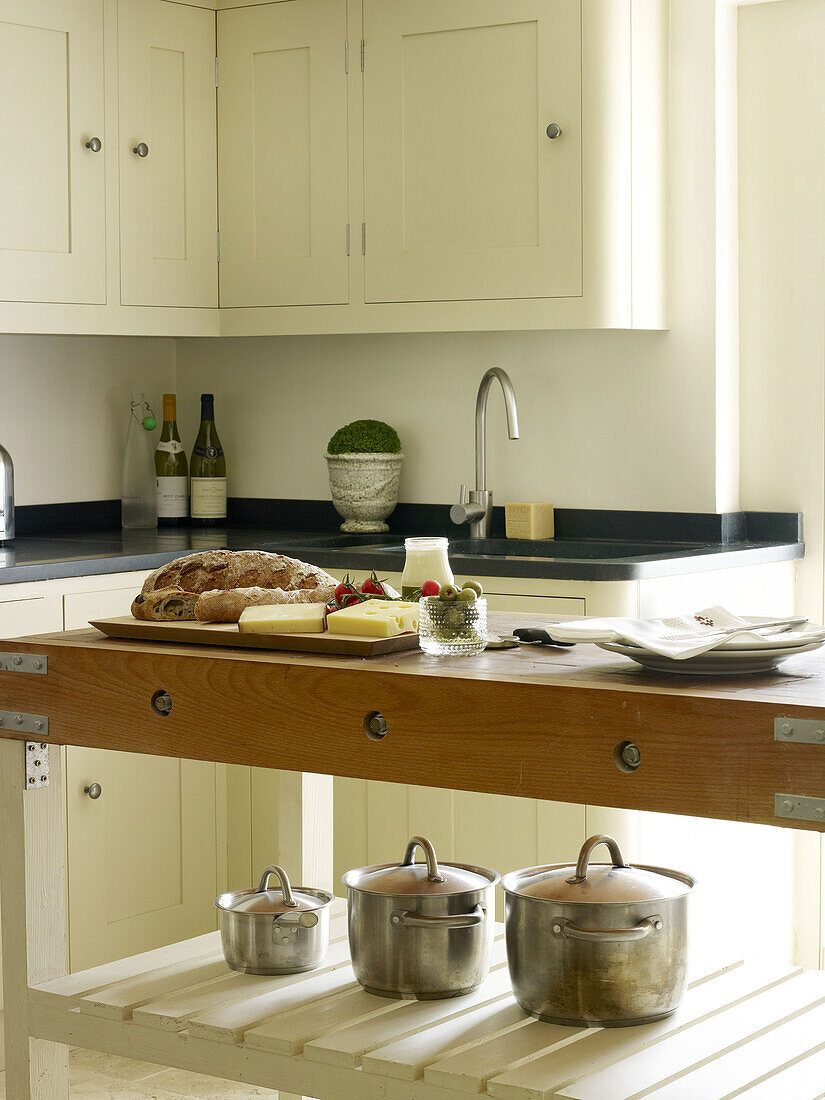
(597,944)
(420,930)
(280,931)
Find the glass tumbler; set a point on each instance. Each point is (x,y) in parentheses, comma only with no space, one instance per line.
(452,628)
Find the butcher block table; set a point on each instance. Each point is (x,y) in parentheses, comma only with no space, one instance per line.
(576,725)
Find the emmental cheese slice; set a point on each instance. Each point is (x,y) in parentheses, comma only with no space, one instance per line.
(375,619)
(288,618)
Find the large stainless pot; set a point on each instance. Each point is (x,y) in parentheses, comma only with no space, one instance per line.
(419,929)
(277,931)
(602,944)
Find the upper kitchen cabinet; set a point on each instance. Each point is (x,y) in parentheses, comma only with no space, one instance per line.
(52,187)
(472,150)
(282,104)
(168,157)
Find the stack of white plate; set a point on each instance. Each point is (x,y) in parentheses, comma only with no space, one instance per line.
(735,657)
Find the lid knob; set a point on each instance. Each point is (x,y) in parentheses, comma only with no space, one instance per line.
(281,875)
(584,856)
(433,873)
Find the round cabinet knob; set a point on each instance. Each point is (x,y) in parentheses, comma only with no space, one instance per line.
(142,149)
(554,131)
(94,790)
(95,144)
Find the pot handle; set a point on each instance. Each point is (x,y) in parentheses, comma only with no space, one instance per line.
(648,927)
(449,920)
(283,879)
(433,873)
(584,856)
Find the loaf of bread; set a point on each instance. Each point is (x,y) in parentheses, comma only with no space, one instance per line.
(165,605)
(226,607)
(223,570)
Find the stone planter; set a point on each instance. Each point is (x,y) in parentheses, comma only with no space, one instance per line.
(364,489)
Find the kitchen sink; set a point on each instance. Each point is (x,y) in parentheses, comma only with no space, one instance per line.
(589,549)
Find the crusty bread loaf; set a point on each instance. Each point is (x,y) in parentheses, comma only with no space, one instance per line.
(226,607)
(224,570)
(165,605)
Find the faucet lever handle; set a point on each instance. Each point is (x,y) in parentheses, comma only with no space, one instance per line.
(462,496)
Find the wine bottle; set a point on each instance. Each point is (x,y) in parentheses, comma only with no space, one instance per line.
(207,470)
(171,470)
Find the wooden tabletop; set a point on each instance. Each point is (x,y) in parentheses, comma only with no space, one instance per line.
(538,722)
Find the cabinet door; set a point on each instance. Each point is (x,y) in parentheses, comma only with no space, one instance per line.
(52,187)
(282,124)
(143,856)
(168,198)
(466,197)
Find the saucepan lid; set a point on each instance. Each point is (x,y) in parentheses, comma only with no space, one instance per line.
(282,899)
(616,882)
(428,878)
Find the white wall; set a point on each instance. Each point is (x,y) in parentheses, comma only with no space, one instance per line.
(64,410)
(609,419)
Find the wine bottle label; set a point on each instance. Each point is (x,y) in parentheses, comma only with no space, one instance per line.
(208,452)
(172,494)
(208,497)
(171,446)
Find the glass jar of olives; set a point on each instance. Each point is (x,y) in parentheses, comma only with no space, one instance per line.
(455,626)
(426,561)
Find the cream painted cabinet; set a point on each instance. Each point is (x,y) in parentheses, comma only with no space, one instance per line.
(465,194)
(283,154)
(52,186)
(143,864)
(168,157)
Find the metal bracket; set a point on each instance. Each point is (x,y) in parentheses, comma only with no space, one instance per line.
(24,723)
(801,731)
(37,765)
(797,807)
(24,662)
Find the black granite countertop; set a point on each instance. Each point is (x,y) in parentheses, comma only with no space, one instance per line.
(590,546)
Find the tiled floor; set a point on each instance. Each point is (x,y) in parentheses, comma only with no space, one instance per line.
(97,1076)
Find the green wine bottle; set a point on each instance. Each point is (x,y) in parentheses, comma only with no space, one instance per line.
(207,470)
(171,470)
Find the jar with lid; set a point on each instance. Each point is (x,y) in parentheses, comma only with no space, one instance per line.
(426,561)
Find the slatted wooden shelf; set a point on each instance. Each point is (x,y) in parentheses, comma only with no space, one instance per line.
(743,1030)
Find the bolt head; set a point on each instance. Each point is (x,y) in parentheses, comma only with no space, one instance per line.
(18,719)
(786,730)
(657,924)
(18,660)
(38,725)
(819,814)
(819,735)
(786,806)
(38,664)
(557,928)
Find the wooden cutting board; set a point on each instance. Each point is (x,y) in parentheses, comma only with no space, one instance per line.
(227,634)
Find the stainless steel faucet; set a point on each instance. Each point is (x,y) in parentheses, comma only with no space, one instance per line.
(478,510)
(6,496)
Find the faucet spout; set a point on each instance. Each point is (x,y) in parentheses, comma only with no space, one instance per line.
(481,418)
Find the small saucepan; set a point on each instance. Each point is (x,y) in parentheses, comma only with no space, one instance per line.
(280,931)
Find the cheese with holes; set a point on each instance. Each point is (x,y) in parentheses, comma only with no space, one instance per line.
(375,619)
(283,618)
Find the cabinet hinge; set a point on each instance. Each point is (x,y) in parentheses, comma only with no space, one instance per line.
(346,58)
(348,238)
(218,236)
(363,47)
(216,72)
(363,238)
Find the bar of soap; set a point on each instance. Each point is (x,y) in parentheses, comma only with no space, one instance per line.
(287,618)
(529,521)
(375,619)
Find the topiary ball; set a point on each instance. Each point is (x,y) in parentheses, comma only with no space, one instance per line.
(365,437)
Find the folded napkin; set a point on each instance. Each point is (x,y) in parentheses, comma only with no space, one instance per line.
(682,636)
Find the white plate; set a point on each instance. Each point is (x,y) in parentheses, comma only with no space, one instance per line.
(716,662)
(787,639)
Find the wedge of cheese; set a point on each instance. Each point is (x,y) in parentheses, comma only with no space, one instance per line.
(375,619)
(285,618)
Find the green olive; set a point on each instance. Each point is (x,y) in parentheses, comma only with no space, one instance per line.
(467,595)
(473,586)
(448,592)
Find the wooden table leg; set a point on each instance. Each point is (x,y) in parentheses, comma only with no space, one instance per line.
(302,810)
(33,907)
